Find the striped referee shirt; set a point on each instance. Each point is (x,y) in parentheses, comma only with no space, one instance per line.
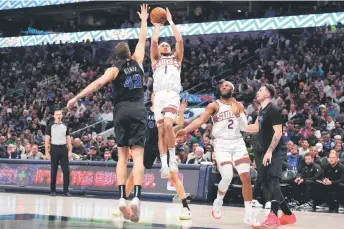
(58,133)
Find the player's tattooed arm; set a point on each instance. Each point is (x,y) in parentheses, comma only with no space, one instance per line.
(276,138)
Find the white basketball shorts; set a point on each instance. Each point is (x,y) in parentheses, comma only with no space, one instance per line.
(166,105)
(232,152)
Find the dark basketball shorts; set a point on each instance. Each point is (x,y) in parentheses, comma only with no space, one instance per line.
(151,152)
(130,120)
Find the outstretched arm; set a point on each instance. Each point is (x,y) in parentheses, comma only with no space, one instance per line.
(154,50)
(209,111)
(109,75)
(180,118)
(179,39)
(140,47)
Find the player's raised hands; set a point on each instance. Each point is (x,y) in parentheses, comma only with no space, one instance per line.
(144,12)
(168,15)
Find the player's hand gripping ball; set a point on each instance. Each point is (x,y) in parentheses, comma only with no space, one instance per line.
(158,15)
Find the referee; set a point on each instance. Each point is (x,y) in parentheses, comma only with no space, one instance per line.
(56,140)
(269,127)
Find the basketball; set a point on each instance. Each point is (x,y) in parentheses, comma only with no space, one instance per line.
(158,15)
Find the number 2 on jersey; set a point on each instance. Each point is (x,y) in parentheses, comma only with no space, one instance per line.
(230,124)
(133,81)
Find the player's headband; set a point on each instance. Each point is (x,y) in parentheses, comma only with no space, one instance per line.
(224,81)
(164,43)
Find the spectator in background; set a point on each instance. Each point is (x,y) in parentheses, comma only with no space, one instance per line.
(3,152)
(27,151)
(39,138)
(305,181)
(3,141)
(19,147)
(78,148)
(34,154)
(293,159)
(107,155)
(330,125)
(333,182)
(312,139)
(92,154)
(182,156)
(304,148)
(338,130)
(199,152)
(12,152)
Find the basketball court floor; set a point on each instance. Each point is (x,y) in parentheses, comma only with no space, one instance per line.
(32,211)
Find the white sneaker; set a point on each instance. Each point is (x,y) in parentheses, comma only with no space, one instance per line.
(135,210)
(256,204)
(251,221)
(217,208)
(165,172)
(268,205)
(185,214)
(123,207)
(173,166)
(117,213)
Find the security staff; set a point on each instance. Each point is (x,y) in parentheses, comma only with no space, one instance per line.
(56,140)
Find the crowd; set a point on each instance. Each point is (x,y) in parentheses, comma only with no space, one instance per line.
(305,67)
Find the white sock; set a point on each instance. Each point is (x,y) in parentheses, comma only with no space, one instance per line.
(248,207)
(163,158)
(220,197)
(172,154)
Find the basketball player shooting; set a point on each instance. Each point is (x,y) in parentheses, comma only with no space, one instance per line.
(130,115)
(230,149)
(166,67)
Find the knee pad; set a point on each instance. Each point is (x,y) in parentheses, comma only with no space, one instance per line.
(226,172)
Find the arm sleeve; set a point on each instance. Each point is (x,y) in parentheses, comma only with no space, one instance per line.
(48,131)
(276,117)
(243,122)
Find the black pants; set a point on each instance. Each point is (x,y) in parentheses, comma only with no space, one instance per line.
(305,191)
(258,188)
(59,154)
(271,175)
(331,194)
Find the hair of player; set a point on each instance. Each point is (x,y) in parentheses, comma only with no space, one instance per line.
(57,110)
(271,90)
(122,51)
(164,42)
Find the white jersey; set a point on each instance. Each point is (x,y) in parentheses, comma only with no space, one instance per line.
(166,74)
(225,125)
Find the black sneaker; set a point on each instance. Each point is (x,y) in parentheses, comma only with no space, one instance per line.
(53,193)
(67,194)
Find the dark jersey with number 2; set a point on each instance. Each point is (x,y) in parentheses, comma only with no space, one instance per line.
(268,117)
(128,83)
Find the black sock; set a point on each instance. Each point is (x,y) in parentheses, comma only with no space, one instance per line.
(185,204)
(285,208)
(122,191)
(137,191)
(274,207)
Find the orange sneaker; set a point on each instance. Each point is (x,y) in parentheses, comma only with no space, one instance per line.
(287,219)
(272,221)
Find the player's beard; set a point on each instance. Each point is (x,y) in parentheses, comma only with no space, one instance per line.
(227,95)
